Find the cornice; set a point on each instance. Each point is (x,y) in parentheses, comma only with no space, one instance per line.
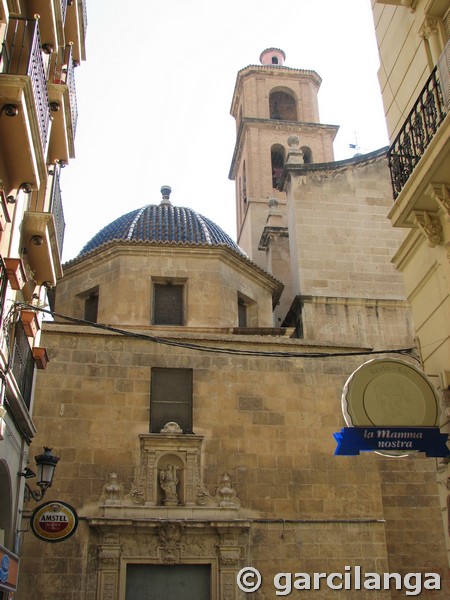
(290,126)
(331,167)
(116,248)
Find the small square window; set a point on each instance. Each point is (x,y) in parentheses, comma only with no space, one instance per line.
(167,304)
(171,398)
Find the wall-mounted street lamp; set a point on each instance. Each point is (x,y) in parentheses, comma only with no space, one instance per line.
(46,465)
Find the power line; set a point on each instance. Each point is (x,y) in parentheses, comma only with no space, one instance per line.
(214,349)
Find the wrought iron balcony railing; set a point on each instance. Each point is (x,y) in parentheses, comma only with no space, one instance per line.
(417,132)
(64,9)
(56,208)
(21,55)
(84,13)
(22,363)
(62,71)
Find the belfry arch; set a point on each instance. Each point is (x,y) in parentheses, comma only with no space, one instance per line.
(283,106)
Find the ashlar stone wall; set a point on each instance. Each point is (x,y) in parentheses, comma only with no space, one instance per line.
(267,423)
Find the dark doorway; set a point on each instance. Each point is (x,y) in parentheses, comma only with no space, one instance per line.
(168,582)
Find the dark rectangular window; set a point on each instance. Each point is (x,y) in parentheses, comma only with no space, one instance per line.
(168,304)
(168,582)
(171,398)
(91,308)
(242,313)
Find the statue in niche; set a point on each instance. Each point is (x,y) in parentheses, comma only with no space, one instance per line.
(168,480)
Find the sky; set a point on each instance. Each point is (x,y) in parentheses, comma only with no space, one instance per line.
(155,91)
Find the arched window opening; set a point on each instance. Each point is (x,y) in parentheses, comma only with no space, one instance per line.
(307,155)
(277,158)
(282,106)
(274,60)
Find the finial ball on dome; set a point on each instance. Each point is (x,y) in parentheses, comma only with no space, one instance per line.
(165,191)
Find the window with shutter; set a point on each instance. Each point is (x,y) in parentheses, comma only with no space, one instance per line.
(171,398)
(91,308)
(167,304)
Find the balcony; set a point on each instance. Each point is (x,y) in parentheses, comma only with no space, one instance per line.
(63,106)
(75,28)
(24,106)
(43,237)
(52,17)
(419,157)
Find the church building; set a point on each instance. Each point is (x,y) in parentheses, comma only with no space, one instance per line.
(194,383)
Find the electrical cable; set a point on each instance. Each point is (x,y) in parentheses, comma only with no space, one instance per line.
(215,349)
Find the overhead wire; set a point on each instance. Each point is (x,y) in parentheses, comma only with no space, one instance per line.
(215,349)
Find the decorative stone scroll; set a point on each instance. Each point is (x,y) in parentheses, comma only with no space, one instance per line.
(430,226)
(440,193)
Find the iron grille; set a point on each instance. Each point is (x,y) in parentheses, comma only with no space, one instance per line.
(63,10)
(22,363)
(56,208)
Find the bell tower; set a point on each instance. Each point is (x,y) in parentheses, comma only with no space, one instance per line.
(270,103)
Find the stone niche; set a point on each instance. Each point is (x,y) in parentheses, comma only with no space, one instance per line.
(169,478)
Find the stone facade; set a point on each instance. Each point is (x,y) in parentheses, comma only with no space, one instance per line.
(266,422)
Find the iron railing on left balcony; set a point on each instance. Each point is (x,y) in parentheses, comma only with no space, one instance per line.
(21,55)
(22,363)
(417,132)
(56,208)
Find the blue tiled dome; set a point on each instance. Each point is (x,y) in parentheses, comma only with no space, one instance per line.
(162,223)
